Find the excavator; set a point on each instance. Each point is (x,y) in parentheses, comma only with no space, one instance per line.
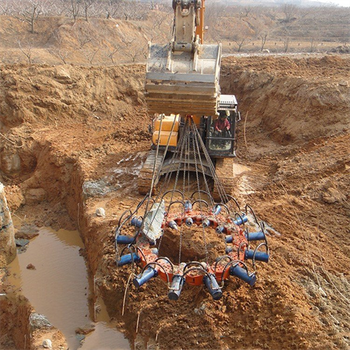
(182,89)
(188,229)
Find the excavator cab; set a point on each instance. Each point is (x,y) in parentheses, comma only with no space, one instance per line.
(222,143)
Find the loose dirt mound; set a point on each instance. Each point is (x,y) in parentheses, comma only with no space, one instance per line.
(72,140)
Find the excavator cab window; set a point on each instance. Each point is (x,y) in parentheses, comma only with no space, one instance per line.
(221,134)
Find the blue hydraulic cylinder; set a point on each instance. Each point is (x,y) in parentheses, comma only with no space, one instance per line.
(241,220)
(136,222)
(220,229)
(243,274)
(206,222)
(228,239)
(217,209)
(172,224)
(259,256)
(213,286)
(255,236)
(128,259)
(122,239)
(188,206)
(141,279)
(176,287)
(189,221)
(228,250)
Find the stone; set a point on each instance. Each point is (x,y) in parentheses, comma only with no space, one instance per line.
(27,231)
(63,76)
(20,242)
(31,267)
(95,188)
(332,195)
(100,212)
(47,344)
(80,337)
(38,321)
(87,329)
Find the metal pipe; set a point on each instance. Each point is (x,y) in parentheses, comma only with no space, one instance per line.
(172,224)
(220,229)
(228,239)
(206,223)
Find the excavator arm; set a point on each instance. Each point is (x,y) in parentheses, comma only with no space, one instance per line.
(182,77)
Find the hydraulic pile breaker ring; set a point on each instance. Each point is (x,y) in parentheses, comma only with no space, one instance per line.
(233,230)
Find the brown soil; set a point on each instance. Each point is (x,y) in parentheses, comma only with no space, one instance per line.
(65,127)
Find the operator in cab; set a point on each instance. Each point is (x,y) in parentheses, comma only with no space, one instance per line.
(222,125)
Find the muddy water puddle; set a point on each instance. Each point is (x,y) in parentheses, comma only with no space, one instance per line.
(57,286)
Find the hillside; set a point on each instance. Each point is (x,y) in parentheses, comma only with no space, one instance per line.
(63,40)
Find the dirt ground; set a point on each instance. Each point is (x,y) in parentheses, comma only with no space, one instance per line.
(73,138)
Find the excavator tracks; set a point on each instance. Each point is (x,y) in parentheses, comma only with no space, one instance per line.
(151,166)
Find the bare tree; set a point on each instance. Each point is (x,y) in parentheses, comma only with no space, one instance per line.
(31,13)
(156,33)
(27,51)
(285,37)
(57,50)
(7,8)
(263,37)
(87,4)
(247,11)
(56,7)
(83,40)
(140,50)
(286,41)
(290,11)
(239,41)
(59,53)
(111,52)
(90,54)
(75,8)
(312,44)
(138,54)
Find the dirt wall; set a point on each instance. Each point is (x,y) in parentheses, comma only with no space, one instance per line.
(290,101)
(14,317)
